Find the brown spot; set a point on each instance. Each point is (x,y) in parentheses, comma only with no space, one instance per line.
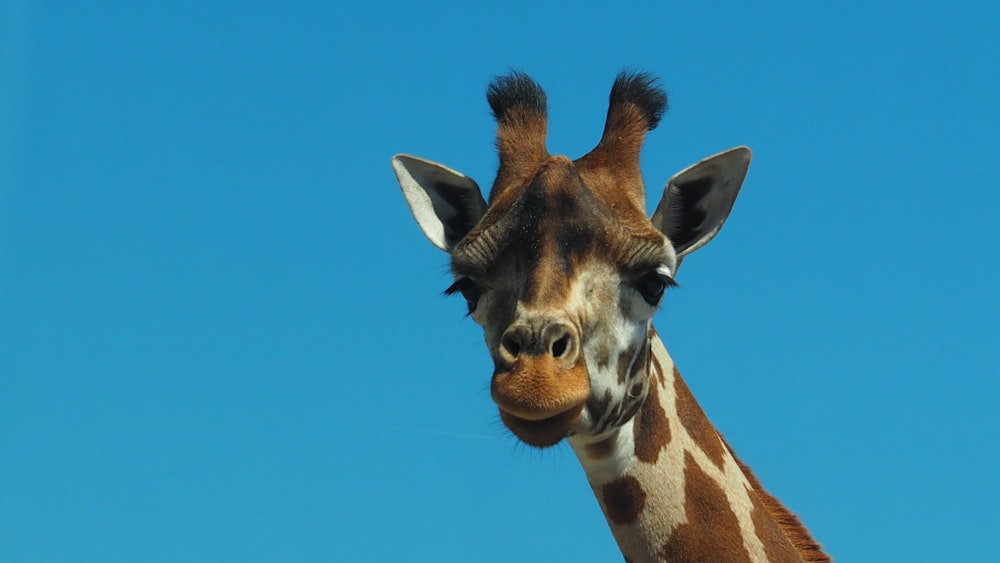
(624,359)
(603,355)
(789,524)
(658,369)
(624,499)
(696,423)
(777,547)
(602,449)
(651,428)
(712,532)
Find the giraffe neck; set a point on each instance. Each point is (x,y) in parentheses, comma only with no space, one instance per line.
(672,490)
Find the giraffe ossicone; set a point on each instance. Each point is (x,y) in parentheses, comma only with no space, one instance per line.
(564,271)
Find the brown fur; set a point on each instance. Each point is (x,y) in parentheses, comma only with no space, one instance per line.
(651,429)
(634,108)
(536,387)
(624,499)
(618,155)
(809,549)
(696,423)
(521,145)
(519,106)
(712,532)
(610,171)
(777,546)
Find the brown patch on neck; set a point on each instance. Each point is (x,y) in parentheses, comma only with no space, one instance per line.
(651,429)
(791,527)
(777,547)
(658,369)
(624,499)
(712,531)
(696,423)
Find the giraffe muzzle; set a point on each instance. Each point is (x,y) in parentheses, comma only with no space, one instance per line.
(539,398)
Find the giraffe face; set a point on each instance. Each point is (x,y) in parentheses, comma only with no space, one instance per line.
(561,267)
(565,303)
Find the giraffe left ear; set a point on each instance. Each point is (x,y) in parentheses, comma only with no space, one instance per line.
(445,203)
(698,199)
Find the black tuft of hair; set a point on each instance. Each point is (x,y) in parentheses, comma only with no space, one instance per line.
(642,90)
(515,89)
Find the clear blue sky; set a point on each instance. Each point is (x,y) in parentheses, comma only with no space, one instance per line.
(222,338)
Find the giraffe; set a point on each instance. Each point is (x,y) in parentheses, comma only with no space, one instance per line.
(563,270)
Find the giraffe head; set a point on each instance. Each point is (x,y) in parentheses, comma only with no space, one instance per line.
(561,266)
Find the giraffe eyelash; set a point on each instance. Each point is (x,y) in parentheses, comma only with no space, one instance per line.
(461,284)
(653,284)
(469,289)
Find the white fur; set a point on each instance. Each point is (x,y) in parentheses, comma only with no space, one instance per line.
(421,180)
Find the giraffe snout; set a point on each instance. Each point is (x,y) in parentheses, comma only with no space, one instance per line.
(540,383)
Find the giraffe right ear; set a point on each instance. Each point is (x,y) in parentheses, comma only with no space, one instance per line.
(446,204)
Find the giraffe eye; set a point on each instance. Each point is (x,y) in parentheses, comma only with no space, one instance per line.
(469,289)
(652,285)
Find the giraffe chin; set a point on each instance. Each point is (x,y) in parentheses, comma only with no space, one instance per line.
(545,432)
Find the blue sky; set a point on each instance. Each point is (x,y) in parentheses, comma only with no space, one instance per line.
(222,337)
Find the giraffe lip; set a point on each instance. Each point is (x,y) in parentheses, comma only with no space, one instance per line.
(544,432)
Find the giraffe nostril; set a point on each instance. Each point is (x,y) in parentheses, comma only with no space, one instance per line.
(542,338)
(559,346)
(511,345)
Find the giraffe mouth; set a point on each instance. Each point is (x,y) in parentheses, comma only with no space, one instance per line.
(545,432)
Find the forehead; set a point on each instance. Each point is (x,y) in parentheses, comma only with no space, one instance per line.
(563,217)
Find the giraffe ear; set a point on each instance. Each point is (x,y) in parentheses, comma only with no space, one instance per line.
(698,199)
(445,203)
